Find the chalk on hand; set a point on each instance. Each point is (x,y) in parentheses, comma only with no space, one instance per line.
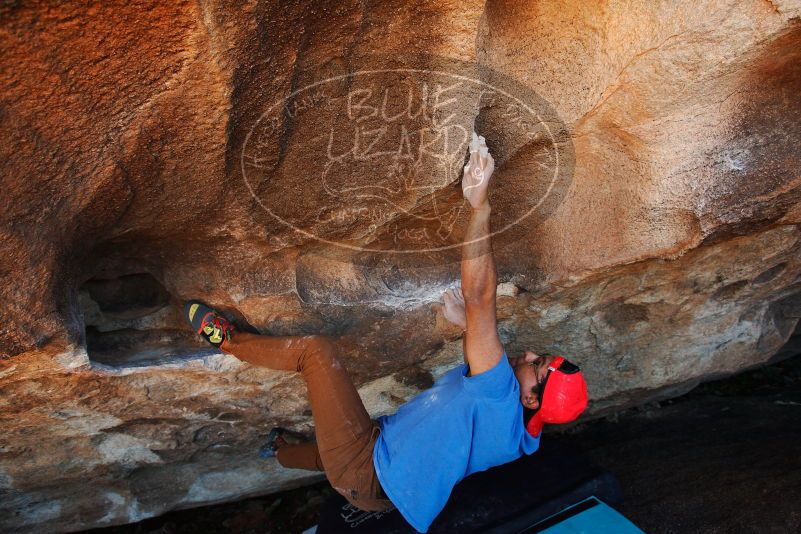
(475,144)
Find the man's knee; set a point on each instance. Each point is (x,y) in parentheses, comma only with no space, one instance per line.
(321,351)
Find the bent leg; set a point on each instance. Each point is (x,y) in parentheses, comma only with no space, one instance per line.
(339,415)
(301,456)
(345,434)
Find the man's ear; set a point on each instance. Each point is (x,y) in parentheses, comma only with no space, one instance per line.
(531,401)
(531,357)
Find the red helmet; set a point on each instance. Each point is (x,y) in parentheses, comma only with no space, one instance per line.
(563,396)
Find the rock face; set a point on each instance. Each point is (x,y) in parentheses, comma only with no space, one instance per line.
(297,165)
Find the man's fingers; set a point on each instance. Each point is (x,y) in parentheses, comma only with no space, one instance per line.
(474,159)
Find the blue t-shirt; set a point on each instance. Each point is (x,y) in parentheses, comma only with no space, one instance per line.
(461,425)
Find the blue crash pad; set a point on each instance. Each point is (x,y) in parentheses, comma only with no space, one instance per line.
(590,516)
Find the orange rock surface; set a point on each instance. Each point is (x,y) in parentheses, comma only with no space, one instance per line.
(297,165)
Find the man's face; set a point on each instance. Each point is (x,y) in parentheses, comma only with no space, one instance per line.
(530,370)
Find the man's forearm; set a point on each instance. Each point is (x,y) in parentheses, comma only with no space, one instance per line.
(478,265)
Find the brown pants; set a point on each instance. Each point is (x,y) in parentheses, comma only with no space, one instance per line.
(345,433)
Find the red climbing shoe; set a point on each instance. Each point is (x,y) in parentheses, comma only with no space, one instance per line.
(208,323)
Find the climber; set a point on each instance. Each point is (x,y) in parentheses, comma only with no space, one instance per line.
(486,412)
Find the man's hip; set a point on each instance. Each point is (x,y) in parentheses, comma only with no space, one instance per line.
(351,472)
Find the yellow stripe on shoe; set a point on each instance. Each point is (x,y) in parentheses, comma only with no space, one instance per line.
(216,337)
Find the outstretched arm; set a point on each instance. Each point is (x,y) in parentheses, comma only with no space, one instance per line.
(482,345)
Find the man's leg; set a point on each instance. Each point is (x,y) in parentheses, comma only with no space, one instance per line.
(302,456)
(345,434)
(340,418)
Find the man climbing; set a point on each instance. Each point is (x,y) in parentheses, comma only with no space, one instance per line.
(483,413)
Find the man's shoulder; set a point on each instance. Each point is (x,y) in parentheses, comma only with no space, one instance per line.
(456,373)
(497,382)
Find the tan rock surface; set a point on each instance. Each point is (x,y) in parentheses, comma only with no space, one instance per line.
(140,166)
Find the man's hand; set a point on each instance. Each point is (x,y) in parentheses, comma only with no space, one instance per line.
(477,173)
(454,307)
